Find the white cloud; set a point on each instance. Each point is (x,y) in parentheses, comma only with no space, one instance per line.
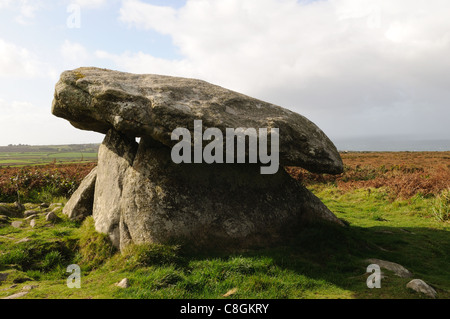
(5,3)
(74,54)
(17,61)
(25,9)
(25,123)
(339,59)
(90,4)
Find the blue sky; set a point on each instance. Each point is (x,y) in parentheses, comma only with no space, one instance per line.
(357,68)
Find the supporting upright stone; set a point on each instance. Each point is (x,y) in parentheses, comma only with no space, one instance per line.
(115,155)
(80,204)
(211,206)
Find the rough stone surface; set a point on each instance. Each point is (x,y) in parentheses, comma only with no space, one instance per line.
(399,270)
(81,202)
(17,223)
(422,287)
(23,240)
(211,205)
(115,155)
(3,277)
(124,283)
(19,206)
(17,295)
(51,217)
(10,210)
(29,213)
(154,105)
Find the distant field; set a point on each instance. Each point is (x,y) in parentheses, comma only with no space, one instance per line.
(23,155)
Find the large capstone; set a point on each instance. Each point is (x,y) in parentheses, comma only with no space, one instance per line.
(147,105)
(142,196)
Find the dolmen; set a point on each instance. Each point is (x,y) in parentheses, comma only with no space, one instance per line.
(207,170)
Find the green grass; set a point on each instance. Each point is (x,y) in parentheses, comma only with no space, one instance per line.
(321,261)
(39,155)
(23,159)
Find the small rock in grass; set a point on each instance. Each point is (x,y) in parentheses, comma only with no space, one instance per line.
(31,217)
(9,211)
(3,277)
(29,287)
(230,292)
(422,287)
(33,223)
(29,213)
(23,240)
(17,295)
(124,283)
(16,223)
(19,206)
(51,217)
(399,270)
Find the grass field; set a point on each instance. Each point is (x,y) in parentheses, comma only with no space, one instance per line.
(396,206)
(14,156)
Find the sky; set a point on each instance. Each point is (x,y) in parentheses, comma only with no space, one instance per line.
(366,69)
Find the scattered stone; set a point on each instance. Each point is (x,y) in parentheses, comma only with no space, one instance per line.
(17,295)
(124,283)
(381,248)
(23,240)
(31,217)
(10,210)
(384,232)
(230,292)
(81,202)
(19,206)
(17,223)
(399,270)
(4,211)
(29,287)
(142,196)
(407,231)
(51,217)
(33,223)
(422,287)
(3,276)
(29,213)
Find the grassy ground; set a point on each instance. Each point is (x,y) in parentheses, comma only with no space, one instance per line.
(17,156)
(321,261)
